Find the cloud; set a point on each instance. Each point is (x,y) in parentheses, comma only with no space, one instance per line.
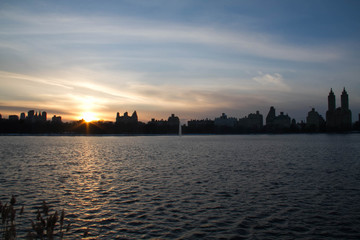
(272,81)
(125,64)
(60,30)
(81,91)
(9,76)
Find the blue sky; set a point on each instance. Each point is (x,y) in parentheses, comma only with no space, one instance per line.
(196,59)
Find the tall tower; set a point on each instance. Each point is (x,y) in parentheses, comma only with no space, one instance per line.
(271,116)
(345,118)
(31,114)
(44,116)
(134,117)
(330,113)
(331,101)
(118,117)
(344,100)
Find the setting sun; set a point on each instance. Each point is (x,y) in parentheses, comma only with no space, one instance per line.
(88,116)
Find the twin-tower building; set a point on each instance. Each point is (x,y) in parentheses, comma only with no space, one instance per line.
(338,118)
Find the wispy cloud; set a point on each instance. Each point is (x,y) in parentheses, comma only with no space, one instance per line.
(71,61)
(66,29)
(272,81)
(9,76)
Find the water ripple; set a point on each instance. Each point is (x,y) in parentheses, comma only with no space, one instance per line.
(210,187)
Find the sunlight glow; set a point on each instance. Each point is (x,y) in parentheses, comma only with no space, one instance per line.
(88,116)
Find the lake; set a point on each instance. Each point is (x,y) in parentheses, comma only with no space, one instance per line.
(189,187)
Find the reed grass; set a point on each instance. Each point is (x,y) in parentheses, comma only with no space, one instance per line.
(46,225)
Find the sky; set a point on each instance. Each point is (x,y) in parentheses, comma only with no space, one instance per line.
(194,58)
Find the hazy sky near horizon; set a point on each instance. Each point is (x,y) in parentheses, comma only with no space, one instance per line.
(196,59)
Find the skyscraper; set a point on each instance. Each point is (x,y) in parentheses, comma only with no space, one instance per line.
(338,118)
(31,114)
(44,116)
(345,113)
(271,116)
(331,101)
(330,113)
(344,100)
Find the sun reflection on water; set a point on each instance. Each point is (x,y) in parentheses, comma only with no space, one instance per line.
(88,186)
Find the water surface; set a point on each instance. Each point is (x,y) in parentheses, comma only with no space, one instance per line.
(190,187)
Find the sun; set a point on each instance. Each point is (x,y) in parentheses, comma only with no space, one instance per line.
(88,116)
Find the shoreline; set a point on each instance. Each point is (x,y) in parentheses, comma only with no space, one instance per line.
(174,135)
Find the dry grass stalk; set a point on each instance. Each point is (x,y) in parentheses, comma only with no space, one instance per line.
(46,226)
(8,214)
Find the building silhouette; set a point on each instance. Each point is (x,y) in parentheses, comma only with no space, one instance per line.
(126,123)
(13,117)
(200,126)
(173,120)
(338,118)
(31,115)
(224,121)
(56,119)
(44,116)
(271,116)
(126,118)
(282,121)
(276,123)
(170,126)
(357,124)
(34,117)
(314,121)
(254,121)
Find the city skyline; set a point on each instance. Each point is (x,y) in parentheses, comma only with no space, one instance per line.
(196,59)
(337,117)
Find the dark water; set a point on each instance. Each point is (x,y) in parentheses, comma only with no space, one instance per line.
(190,187)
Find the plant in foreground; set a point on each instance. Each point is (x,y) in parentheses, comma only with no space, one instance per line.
(45,226)
(8,214)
